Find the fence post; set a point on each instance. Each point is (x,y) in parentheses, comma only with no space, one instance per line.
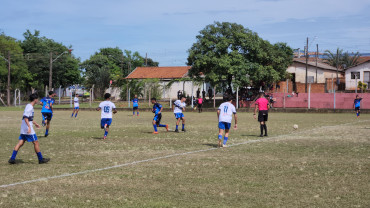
(129,94)
(284,99)
(237,97)
(334,98)
(309,96)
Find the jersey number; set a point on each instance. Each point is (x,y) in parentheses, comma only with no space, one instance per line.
(225,108)
(106,109)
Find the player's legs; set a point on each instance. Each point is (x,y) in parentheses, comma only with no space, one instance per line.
(38,152)
(220,134)
(183,123)
(15,151)
(19,145)
(177,123)
(47,128)
(155,126)
(226,137)
(76,112)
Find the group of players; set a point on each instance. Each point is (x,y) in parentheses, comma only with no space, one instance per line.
(224,114)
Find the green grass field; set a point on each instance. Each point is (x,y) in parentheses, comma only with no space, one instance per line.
(325,163)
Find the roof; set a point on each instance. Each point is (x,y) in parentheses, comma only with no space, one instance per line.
(320,64)
(363,60)
(170,72)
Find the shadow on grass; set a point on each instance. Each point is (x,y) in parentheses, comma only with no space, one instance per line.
(18,161)
(100,138)
(211,145)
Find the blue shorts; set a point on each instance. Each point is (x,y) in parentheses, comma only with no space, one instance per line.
(77,108)
(224,125)
(135,107)
(179,115)
(28,138)
(104,121)
(157,118)
(47,116)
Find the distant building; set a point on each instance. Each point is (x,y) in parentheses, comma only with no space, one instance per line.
(359,72)
(165,76)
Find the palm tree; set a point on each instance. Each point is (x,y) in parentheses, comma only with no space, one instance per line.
(340,59)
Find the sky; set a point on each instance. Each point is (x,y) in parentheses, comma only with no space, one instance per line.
(166,29)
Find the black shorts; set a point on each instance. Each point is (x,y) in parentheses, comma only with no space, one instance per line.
(263,115)
(47,116)
(357,108)
(200,105)
(135,108)
(157,119)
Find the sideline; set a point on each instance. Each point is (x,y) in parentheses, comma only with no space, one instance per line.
(170,156)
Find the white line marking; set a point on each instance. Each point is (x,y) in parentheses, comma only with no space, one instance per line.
(167,156)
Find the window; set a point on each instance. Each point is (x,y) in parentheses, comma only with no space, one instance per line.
(355,75)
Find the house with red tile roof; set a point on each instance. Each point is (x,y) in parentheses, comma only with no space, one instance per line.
(165,75)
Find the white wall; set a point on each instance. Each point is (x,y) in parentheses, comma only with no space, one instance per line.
(175,87)
(300,73)
(351,83)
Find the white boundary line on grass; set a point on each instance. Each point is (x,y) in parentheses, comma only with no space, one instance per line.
(164,157)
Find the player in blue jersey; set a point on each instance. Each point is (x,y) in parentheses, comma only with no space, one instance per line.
(76,105)
(179,107)
(107,108)
(157,110)
(135,106)
(357,105)
(28,133)
(47,110)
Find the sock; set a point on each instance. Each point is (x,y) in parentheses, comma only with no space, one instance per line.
(133,112)
(177,127)
(219,137)
(183,126)
(155,127)
(39,155)
(106,133)
(265,127)
(47,131)
(76,115)
(225,140)
(72,115)
(137,113)
(162,125)
(14,155)
(261,128)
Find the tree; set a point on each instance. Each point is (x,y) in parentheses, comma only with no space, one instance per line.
(340,59)
(19,74)
(37,50)
(227,53)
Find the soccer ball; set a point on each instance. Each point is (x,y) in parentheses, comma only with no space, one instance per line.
(295,126)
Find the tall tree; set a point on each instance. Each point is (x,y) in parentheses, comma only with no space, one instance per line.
(227,53)
(340,59)
(37,50)
(19,74)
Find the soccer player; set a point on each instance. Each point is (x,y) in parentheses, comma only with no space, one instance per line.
(76,105)
(107,108)
(135,106)
(357,105)
(263,106)
(179,106)
(200,104)
(224,114)
(157,110)
(28,133)
(47,110)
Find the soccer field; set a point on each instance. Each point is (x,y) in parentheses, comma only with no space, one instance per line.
(325,163)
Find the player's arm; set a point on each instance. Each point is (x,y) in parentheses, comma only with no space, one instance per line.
(36,124)
(255,111)
(28,124)
(98,109)
(160,111)
(236,121)
(218,113)
(114,110)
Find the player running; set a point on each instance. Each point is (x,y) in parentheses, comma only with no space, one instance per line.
(76,105)
(200,104)
(47,110)
(157,110)
(263,106)
(357,105)
(135,106)
(224,114)
(179,106)
(107,108)
(28,133)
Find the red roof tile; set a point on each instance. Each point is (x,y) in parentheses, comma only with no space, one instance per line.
(172,72)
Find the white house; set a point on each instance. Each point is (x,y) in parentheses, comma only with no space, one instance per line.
(354,74)
(166,75)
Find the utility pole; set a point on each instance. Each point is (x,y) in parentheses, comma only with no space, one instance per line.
(306,65)
(146,59)
(317,56)
(337,65)
(51,70)
(8,87)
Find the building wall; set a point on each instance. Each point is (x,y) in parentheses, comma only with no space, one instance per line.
(351,83)
(300,73)
(186,86)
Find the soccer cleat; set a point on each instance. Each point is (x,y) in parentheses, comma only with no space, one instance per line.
(261,135)
(224,145)
(266,135)
(44,160)
(177,130)
(167,127)
(46,135)
(155,132)
(183,130)
(11,161)
(104,138)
